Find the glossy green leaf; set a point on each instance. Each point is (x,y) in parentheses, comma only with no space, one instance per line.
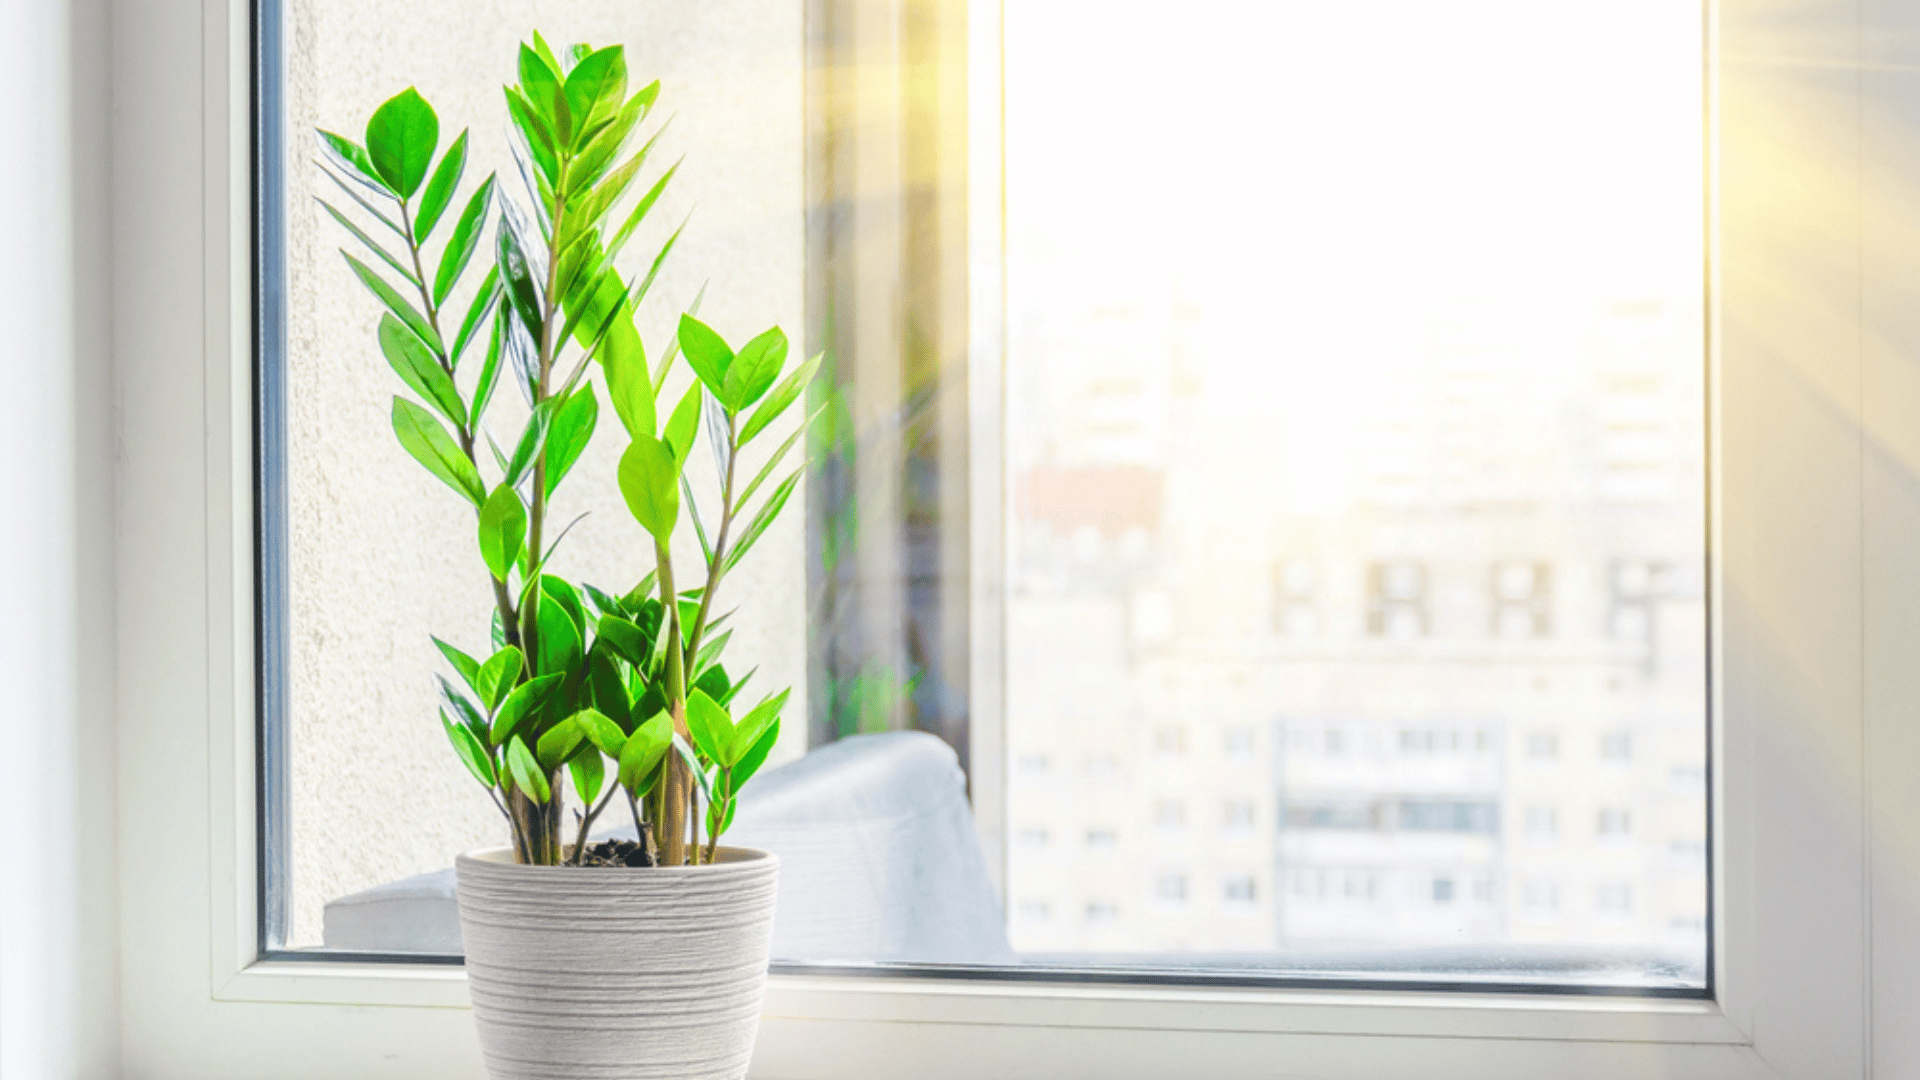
(533,438)
(489,371)
(597,83)
(464,709)
(541,49)
(396,303)
(472,754)
(685,422)
(752,726)
(762,519)
(526,772)
(402,135)
(433,201)
(503,530)
(607,687)
(559,644)
(559,742)
(701,776)
(625,639)
(569,433)
(699,523)
(756,756)
(467,666)
(624,363)
(639,211)
(562,591)
(477,312)
(465,240)
(423,437)
(537,134)
(520,702)
(516,276)
(360,200)
(358,234)
(421,370)
(603,731)
(644,750)
(706,353)
(606,142)
(753,370)
(498,676)
(350,158)
(541,85)
(589,771)
(650,482)
(773,460)
(784,395)
(712,728)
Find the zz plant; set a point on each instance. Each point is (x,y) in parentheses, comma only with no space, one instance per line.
(620,692)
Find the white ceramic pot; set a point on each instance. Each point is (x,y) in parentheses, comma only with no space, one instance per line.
(605,973)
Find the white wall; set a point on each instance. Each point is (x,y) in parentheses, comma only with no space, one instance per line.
(58,946)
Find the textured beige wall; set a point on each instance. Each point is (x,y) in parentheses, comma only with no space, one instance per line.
(383,554)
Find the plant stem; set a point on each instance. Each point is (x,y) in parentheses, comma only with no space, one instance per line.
(715,572)
(676,784)
(586,822)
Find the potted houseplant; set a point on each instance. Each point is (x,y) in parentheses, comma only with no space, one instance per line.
(645,957)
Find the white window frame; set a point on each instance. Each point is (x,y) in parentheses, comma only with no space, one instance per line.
(1816,595)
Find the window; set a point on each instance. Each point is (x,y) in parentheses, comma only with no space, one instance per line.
(1170,814)
(1614,822)
(1543,745)
(1522,599)
(1396,600)
(1237,816)
(1616,747)
(1170,889)
(1294,613)
(1237,743)
(1238,890)
(1807,432)
(1543,823)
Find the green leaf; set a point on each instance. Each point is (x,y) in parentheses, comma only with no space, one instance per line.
(503,530)
(541,50)
(602,75)
(692,759)
(755,757)
(606,142)
(349,158)
(361,201)
(707,354)
(567,436)
(650,481)
(532,438)
(477,312)
(396,303)
(526,771)
(752,726)
(710,650)
(563,593)
(712,728)
(559,743)
(684,422)
(763,518)
(783,395)
(421,370)
(517,276)
(433,202)
(497,677)
(537,133)
(467,711)
(607,688)
(385,255)
(766,470)
(521,701)
(624,362)
(693,516)
(559,644)
(644,750)
(602,731)
(401,138)
(423,437)
(753,369)
(589,771)
(625,639)
(472,754)
(489,370)
(464,242)
(639,211)
(467,666)
(541,84)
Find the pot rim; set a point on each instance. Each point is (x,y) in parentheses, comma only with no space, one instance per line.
(727,857)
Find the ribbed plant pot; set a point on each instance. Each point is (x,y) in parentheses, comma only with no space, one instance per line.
(600,973)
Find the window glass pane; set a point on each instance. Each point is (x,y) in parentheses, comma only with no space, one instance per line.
(1348,454)
(1363,347)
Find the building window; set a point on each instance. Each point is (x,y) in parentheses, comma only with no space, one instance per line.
(1541,897)
(1169,739)
(1542,746)
(1294,611)
(1102,838)
(1614,898)
(1443,890)
(1237,816)
(1238,889)
(1034,837)
(1237,742)
(1035,911)
(1543,823)
(1448,815)
(1102,911)
(1522,595)
(1616,747)
(1614,822)
(1169,814)
(1397,600)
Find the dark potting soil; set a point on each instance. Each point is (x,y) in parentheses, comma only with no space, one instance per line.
(617,853)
